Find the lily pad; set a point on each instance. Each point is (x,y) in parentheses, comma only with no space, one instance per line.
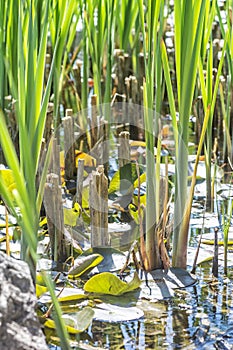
(107,283)
(67,295)
(159,284)
(76,323)
(113,260)
(112,313)
(84,263)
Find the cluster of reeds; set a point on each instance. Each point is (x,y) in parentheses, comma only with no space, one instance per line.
(122,48)
(113,44)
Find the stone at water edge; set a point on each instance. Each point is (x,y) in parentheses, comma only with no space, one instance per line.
(19,327)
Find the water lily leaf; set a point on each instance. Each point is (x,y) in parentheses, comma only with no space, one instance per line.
(76,323)
(159,284)
(81,319)
(71,294)
(107,283)
(85,197)
(114,185)
(113,313)
(142,180)
(134,212)
(201,170)
(65,295)
(211,242)
(43,222)
(40,290)
(89,161)
(113,260)
(135,143)
(84,263)
(71,215)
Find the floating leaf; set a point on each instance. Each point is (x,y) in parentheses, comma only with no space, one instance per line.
(159,284)
(107,283)
(71,294)
(40,290)
(115,182)
(71,215)
(84,263)
(135,143)
(76,323)
(133,210)
(89,161)
(66,295)
(113,260)
(43,222)
(211,242)
(40,285)
(85,197)
(113,313)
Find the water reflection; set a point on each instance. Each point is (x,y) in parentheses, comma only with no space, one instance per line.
(199,317)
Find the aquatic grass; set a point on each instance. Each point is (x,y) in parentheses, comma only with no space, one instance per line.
(227,143)
(209,96)
(126,15)
(57,315)
(226,226)
(111,19)
(159,85)
(99,28)
(63,19)
(32,98)
(8,46)
(127,30)
(95,25)
(189,19)
(151,19)
(228,28)
(85,51)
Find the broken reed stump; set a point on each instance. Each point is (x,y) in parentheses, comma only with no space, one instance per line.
(124,162)
(94,132)
(98,203)
(69,149)
(54,166)
(48,122)
(79,185)
(215,257)
(55,219)
(77,77)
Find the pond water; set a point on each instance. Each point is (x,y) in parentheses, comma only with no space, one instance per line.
(198,317)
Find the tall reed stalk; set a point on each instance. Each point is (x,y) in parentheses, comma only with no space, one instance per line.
(228,30)
(63,20)
(189,18)
(32,97)
(151,19)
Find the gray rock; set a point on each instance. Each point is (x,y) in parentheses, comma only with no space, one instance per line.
(20,328)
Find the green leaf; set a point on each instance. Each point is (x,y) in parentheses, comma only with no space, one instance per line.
(113,260)
(115,182)
(40,290)
(114,313)
(72,296)
(71,215)
(76,323)
(107,283)
(84,263)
